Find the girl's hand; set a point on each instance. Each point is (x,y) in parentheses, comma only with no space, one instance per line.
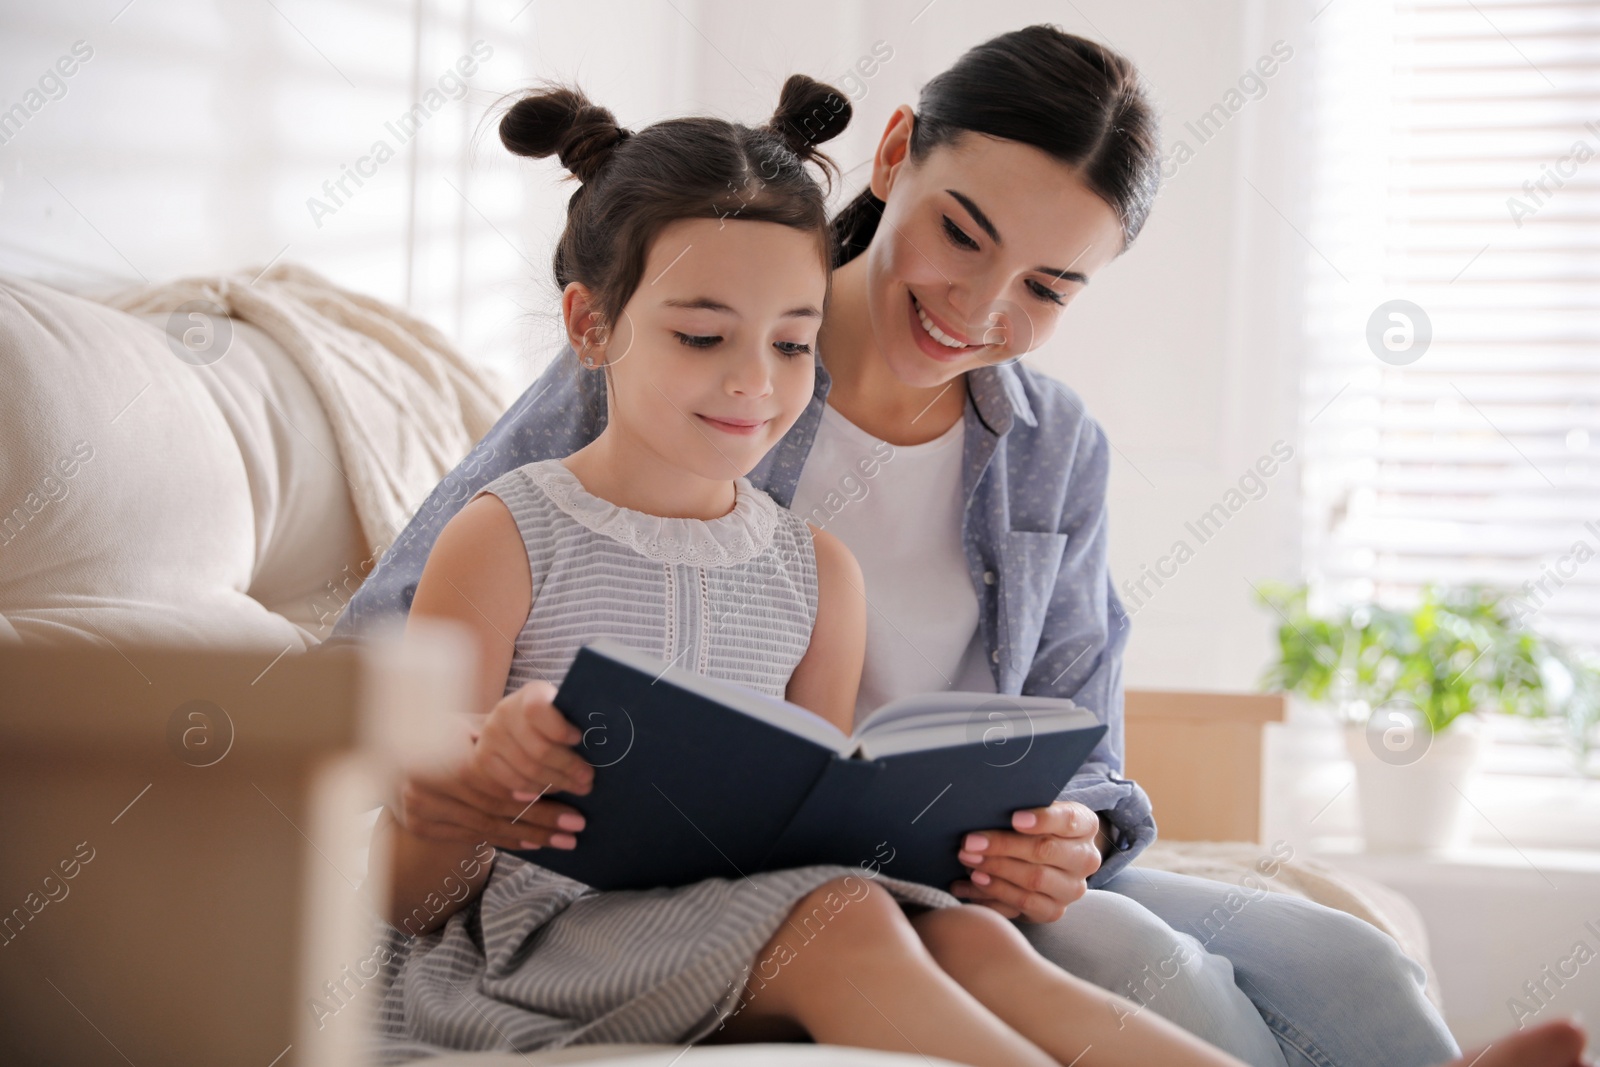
(524,747)
(496,794)
(1036,871)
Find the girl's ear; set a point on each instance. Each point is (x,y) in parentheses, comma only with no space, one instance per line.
(587,332)
(894,147)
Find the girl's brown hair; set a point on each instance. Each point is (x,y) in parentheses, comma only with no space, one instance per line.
(634,183)
(1077,100)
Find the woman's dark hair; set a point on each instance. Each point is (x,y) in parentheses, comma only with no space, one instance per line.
(637,182)
(1077,100)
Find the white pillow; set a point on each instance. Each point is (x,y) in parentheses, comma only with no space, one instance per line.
(144,499)
(308,551)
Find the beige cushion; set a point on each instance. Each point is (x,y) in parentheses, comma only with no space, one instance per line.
(308,555)
(145,498)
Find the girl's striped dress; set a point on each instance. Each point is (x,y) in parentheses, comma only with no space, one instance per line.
(540,961)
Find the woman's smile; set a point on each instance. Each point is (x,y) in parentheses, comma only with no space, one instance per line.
(936,340)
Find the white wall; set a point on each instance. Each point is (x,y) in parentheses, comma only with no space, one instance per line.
(194,137)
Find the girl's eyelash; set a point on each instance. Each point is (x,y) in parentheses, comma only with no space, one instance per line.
(788,348)
(1044,292)
(957,235)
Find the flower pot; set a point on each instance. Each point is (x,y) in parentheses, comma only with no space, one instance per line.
(1411,782)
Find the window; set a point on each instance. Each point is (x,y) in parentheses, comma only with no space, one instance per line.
(1455,161)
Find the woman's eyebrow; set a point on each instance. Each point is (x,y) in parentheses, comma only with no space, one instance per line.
(977,216)
(1065,275)
(1070,275)
(988,227)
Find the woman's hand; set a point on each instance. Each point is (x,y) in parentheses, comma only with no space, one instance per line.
(1036,871)
(520,752)
(448,807)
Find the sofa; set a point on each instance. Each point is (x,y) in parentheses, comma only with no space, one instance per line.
(156,490)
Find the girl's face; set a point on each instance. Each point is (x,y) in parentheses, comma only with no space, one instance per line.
(981,247)
(711,360)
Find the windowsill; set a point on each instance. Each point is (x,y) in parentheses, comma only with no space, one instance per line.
(1532,747)
(1526,795)
(1351,852)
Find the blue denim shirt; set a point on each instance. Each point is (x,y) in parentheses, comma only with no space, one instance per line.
(1034,478)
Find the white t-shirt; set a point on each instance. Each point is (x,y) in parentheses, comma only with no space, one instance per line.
(899,509)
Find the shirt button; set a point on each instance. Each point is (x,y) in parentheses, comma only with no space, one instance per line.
(994,657)
(988,577)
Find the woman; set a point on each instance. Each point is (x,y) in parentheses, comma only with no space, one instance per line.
(972,491)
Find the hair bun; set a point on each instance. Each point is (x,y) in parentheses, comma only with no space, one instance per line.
(562,122)
(809,114)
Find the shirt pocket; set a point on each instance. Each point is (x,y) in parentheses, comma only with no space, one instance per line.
(1030,565)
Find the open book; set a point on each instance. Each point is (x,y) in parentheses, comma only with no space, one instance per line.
(699,778)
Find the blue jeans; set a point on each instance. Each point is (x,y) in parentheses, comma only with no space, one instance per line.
(1277,981)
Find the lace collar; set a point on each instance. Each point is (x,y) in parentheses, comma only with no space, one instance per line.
(737,537)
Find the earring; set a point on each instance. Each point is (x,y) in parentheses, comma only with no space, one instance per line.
(590,362)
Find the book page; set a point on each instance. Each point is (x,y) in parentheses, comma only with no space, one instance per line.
(942,720)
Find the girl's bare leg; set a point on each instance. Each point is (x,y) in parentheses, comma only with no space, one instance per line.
(1074,1021)
(848,969)
(1080,1023)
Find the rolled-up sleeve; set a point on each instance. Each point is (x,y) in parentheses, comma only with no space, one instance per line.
(1080,653)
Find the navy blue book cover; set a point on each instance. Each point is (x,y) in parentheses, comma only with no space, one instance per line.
(688,787)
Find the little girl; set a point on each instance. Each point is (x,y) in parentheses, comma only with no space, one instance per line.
(694,269)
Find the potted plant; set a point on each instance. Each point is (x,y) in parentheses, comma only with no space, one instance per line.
(1411,686)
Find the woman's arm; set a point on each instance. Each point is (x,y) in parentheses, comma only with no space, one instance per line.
(1051,855)
(478,576)
(827,677)
(1080,656)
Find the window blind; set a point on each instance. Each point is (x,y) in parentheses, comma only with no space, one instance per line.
(1454,163)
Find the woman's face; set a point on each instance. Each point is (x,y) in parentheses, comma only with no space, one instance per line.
(982,245)
(711,362)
